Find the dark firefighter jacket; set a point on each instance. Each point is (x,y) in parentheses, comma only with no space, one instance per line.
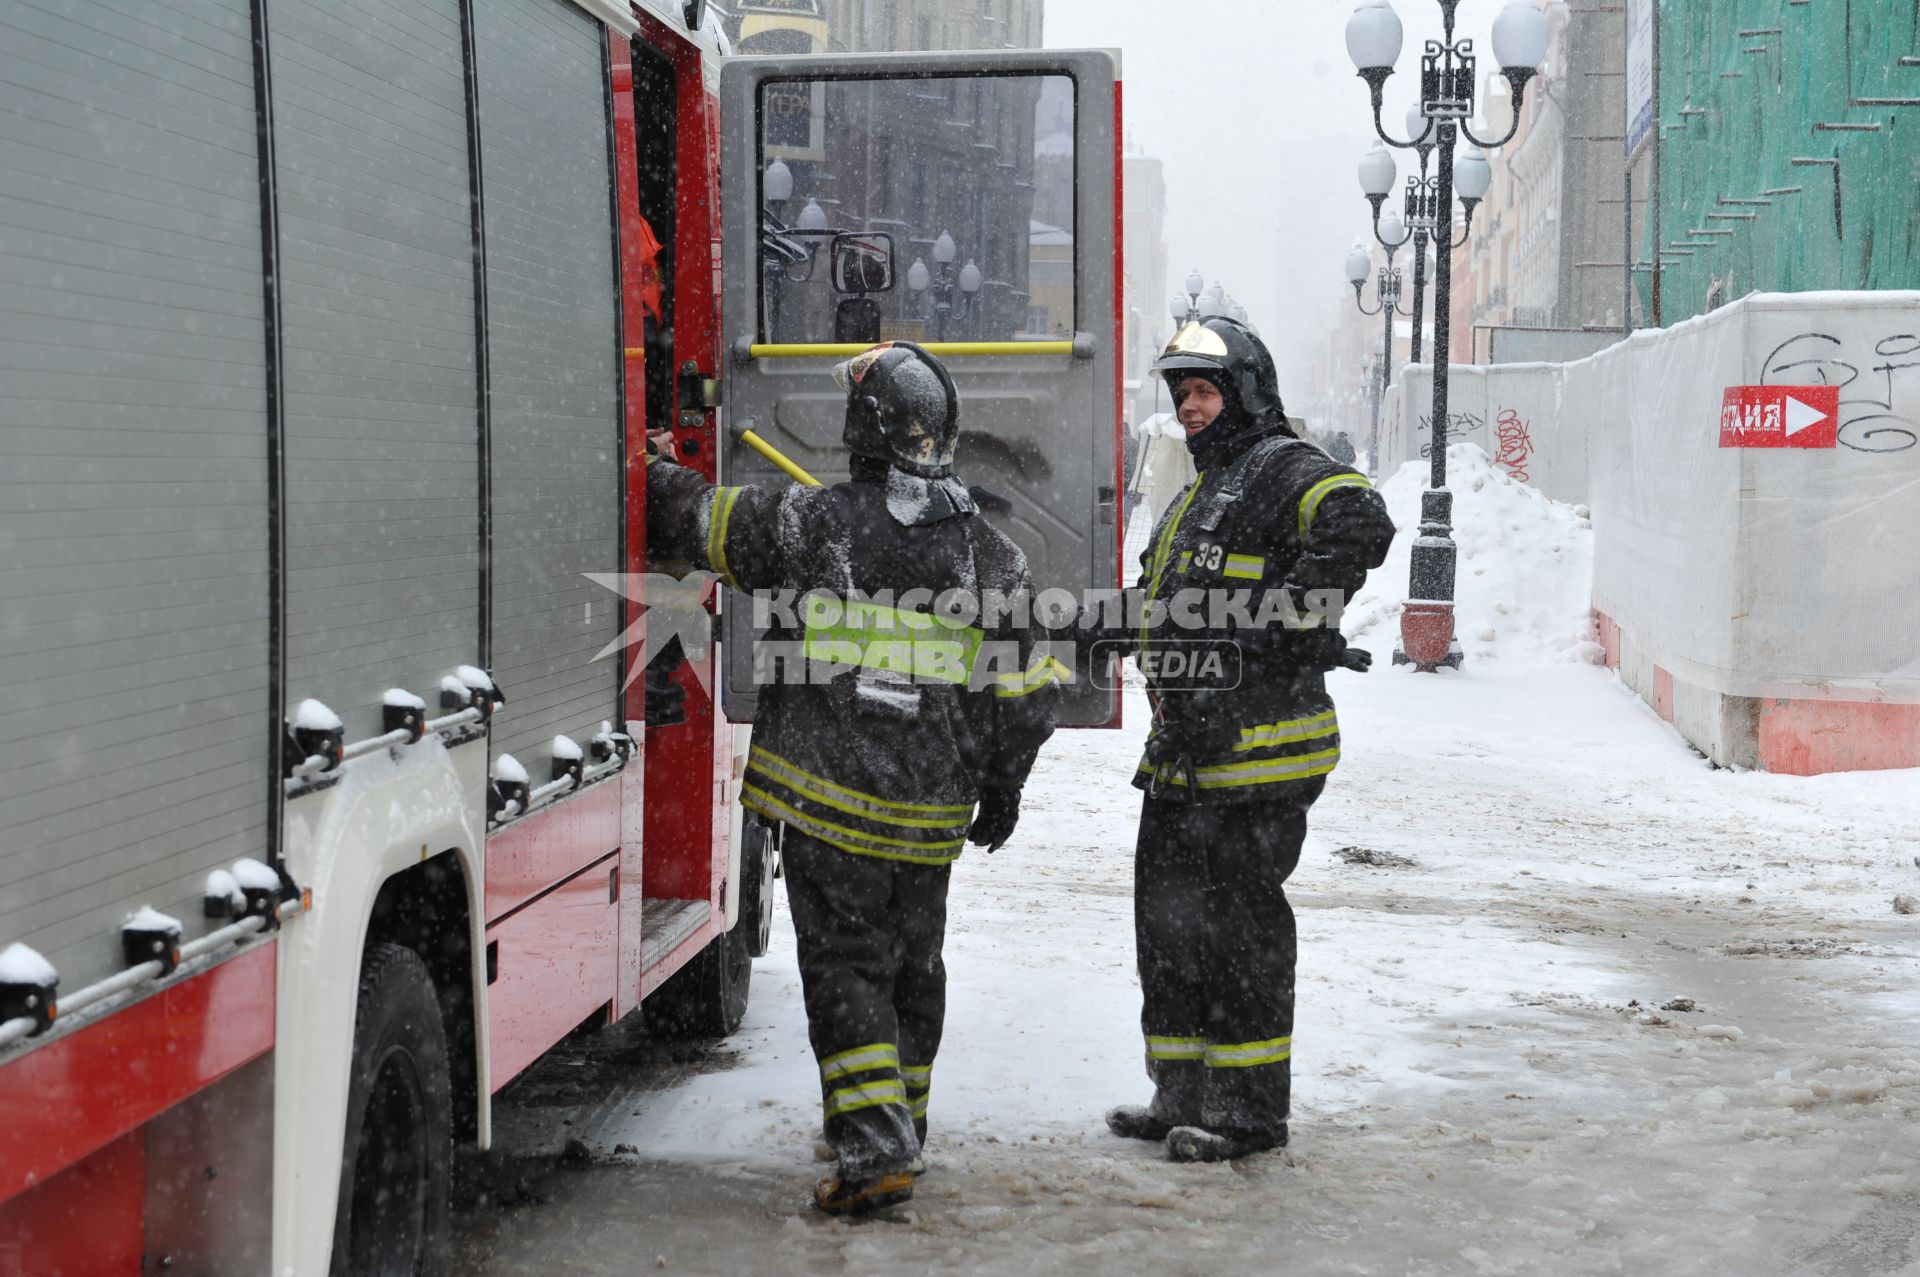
(1272,513)
(857,755)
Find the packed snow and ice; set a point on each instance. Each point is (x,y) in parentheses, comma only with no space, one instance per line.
(811,636)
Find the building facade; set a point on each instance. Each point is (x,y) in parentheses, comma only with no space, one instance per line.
(963,172)
(1148,290)
(1787,148)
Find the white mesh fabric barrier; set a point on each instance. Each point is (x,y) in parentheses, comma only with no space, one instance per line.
(1782,572)
(1166,467)
(1828,537)
(1664,495)
(1511,412)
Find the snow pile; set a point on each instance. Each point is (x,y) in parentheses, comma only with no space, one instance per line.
(251,875)
(314,716)
(222,885)
(147,918)
(1524,583)
(20,964)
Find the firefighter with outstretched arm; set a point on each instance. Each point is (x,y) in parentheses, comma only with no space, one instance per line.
(894,732)
(1239,751)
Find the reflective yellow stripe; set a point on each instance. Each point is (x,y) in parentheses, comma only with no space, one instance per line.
(919,644)
(1262,764)
(1261,771)
(1240,782)
(1043,671)
(1249,567)
(1310,503)
(1161,551)
(881,1055)
(1299,729)
(857,804)
(1186,559)
(755,799)
(718,517)
(1162,1048)
(1242,1055)
(851,1098)
(919,1082)
(962,810)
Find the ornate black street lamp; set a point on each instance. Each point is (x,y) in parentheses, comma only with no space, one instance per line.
(938,289)
(1447,70)
(1187,311)
(1386,291)
(1471,175)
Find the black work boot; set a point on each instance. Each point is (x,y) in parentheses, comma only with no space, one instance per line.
(1138,1122)
(1199,1144)
(838,1196)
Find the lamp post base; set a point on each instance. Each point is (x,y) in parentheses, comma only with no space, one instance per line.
(1426,637)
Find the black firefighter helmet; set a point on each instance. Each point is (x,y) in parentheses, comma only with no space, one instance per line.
(1227,353)
(901,408)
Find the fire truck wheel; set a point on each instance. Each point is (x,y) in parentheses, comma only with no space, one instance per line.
(396,1164)
(707,998)
(759,864)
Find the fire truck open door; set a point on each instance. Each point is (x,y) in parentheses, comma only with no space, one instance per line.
(967,201)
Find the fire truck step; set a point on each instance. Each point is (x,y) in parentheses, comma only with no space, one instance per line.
(665,923)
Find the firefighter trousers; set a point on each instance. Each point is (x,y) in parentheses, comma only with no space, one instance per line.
(1217,948)
(869,933)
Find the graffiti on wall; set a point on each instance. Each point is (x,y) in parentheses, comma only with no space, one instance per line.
(1460,425)
(1516,443)
(1879,388)
(1512,443)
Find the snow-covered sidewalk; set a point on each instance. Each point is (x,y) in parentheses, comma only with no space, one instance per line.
(1570,1000)
(1495,1070)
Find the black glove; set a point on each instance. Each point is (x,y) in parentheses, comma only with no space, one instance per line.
(666,699)
(993,823)
(1324,649)
(1192,727)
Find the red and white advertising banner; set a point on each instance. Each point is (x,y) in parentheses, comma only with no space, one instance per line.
(1780,417)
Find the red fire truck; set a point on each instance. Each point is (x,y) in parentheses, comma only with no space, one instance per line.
(333,790)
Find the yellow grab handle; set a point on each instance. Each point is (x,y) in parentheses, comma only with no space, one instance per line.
(815,350)
(779,458)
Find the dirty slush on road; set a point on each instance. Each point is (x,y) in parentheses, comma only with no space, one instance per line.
(1562,1016)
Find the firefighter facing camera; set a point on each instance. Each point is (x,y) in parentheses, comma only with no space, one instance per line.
(1232,766)
(879,778)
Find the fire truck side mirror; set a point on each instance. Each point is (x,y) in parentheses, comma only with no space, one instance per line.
(862,262)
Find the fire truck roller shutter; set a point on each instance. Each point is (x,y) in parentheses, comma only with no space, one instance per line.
(383,430)
(134,701)
(554,366)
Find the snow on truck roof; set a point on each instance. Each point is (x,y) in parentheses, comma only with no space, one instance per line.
(618,15)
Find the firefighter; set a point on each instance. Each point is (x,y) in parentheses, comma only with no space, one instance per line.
(908,728)
(1237,752)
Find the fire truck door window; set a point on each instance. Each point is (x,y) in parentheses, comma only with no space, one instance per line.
(656,139)
(971,176)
